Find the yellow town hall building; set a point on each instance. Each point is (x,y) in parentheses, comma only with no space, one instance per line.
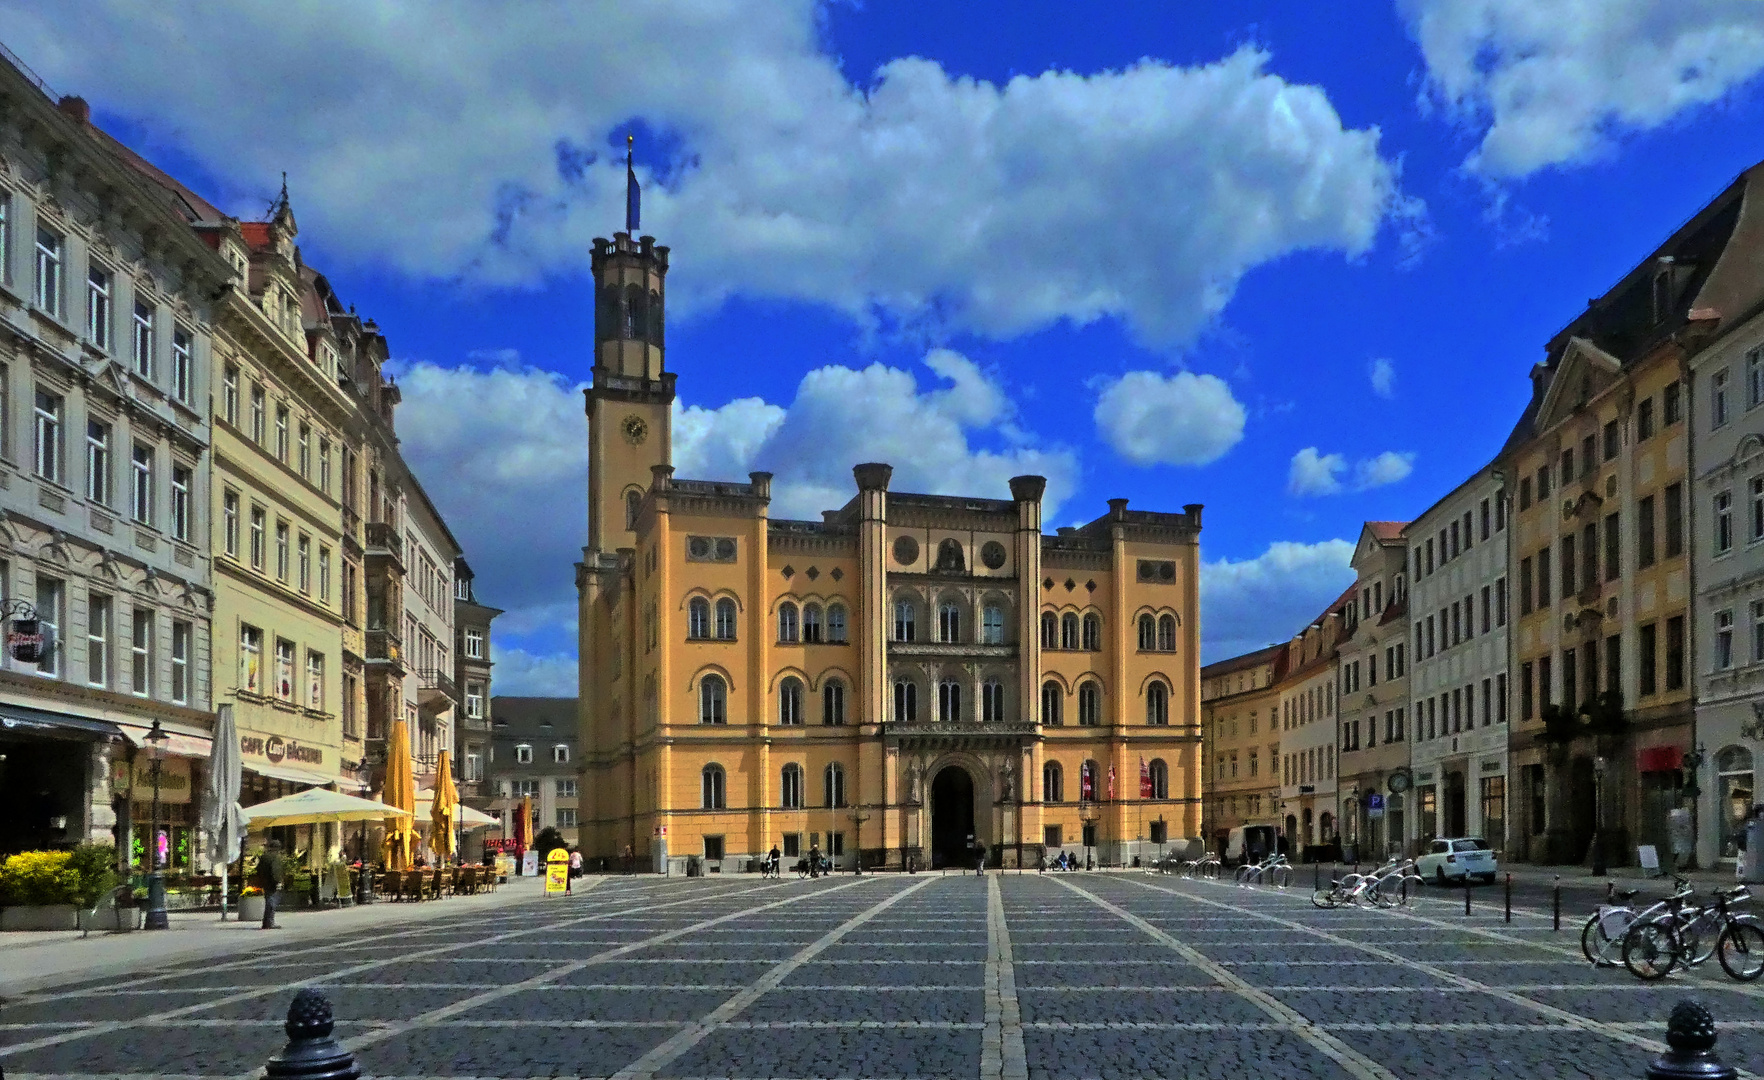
(903,679)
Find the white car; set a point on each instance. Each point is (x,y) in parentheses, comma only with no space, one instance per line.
(1456,860)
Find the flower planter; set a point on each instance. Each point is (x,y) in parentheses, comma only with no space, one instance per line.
(119,920)
(43,917)
(251,909)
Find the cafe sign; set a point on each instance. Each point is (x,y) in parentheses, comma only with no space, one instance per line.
(174,780)
(277,749)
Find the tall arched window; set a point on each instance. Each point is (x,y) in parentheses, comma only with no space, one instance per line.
(905,620)
(1167,633)
(1148,633)
(1160,779)
(787,623)
(655,319)
(833,783)
(633,503)
(949,701)
(949,557)
(711,788)
(713,700)
(1068,631)
(698,618)
(636,311)
(811,624)
(1157,704)
(836,624)
(725,619)
(992,702)
(1052,783)
(791,787)
(833,702)
(1089,704)
(992,625)
(906,702)
(1093,632)
(1052,698)
(1087,791)
(790,702)
(949,623)
(1050,630)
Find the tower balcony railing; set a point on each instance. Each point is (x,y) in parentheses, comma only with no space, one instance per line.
(436,689)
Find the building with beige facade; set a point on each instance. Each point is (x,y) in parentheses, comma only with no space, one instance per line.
(1308,699)
(1240,703)
(1374,680)
(905,677)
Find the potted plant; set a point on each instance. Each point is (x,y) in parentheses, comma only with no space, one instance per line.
(251,904)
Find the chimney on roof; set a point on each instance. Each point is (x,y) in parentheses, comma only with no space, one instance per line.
(77,108)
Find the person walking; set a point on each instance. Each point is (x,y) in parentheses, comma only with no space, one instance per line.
(270,870)
(979,859)
(575,870)
(814,860)
(773,858)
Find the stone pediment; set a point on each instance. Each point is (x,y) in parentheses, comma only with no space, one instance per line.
(1582,373)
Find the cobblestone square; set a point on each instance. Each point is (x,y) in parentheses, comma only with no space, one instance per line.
(1010,976)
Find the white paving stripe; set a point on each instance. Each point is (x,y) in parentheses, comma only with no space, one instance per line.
(1326,1044)
(658,1058)
(1002,1056)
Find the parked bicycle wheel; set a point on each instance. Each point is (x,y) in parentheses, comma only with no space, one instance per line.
(1602,930)
(1698,936)
(1650,949)
(1325,898)
(1741,950)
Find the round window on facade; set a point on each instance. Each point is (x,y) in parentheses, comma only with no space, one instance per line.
(1167,571)
(992,553)
(699,547)
(726,549)
(906,550)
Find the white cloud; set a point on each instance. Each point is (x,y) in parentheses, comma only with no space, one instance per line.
(1183,419)
(1551,82)
(1383,375)
(466,139)
(520,673)
(1251,603)
(1315,473)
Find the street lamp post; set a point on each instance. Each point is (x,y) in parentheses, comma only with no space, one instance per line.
(1089,814)
(858,817)
(156,916)
(1163,835)
(1598,840)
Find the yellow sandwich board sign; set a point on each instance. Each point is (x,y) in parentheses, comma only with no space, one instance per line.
(557,871)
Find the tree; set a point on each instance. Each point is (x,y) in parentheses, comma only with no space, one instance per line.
(1560,725)
(548,840)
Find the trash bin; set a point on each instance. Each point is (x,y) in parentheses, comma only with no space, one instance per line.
(694,868)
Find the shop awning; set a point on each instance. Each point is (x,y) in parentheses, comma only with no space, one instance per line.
(24,718)
(177,743)
(290,774)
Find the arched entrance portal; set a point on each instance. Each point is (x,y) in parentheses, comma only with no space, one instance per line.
(952,817)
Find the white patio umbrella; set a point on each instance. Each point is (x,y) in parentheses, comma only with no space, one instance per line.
(316,805)
(222,820)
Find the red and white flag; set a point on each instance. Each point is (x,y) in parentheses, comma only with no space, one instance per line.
(1086,783)
(1145,788)
(1111,782)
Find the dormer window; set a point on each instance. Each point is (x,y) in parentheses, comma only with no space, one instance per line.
(1663,290)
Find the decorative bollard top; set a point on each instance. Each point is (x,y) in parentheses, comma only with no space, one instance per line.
(312,1052)
(1690,1032)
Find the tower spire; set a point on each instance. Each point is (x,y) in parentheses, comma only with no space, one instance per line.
(633,193)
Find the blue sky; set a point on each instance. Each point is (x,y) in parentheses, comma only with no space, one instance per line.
(1290,261)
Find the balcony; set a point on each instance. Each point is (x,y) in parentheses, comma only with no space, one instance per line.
(384,649)
(384,543)
(936,735)
(436,689)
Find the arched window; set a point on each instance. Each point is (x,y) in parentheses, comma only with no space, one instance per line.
(906,702)
(787,623)
(1052,698)
(790,702)
(992,625)
(949,701)
(1148,633)
(1089,704)
(1167,633)
(1050,630)
(1087,782)
(811,624)
(949,556)
(1052,783)
(836,624)
(949,623)
(606,322)
(1160,779)
(833,784)
(725,619)
(698,618)
(655,319)
(633,503)
(833,702)
(711,788)
(791,787)
(1068,631)
(905,620)
(992,702)
(1093,632)
(636,311)
(713,700)
(1157,704)
(1734,800)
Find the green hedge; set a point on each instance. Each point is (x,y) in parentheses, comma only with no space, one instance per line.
(80,876)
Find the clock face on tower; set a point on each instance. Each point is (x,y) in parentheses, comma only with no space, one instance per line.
(635,429)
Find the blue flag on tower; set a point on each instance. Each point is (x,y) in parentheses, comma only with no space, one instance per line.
(633,193)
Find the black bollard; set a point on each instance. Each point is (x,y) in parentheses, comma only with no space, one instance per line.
(1466,895)
(311,1053)
(1690,1032)
(1556,905)
(1316,876)
(1509,896)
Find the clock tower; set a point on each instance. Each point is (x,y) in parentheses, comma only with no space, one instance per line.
(630,404)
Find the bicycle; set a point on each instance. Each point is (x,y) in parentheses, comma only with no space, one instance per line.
(1395,887)
(1689,935)
(1650,945)
(1606,926)
(1274,868)
(1348,890)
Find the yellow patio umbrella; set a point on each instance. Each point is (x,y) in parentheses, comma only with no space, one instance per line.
(399,791)
(444,813)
